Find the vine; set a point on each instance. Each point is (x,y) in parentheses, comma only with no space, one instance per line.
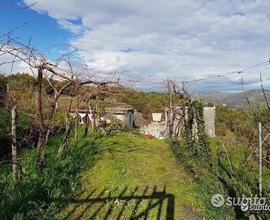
(195,116)
(189,128)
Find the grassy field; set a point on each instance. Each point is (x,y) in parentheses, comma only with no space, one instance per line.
(136,178)
(124,176)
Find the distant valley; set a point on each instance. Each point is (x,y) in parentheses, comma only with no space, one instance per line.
(236,100)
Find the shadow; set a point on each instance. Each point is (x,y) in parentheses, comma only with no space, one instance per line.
(139,203)
(110,148)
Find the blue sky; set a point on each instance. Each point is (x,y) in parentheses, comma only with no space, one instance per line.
(46,34)
(151,41)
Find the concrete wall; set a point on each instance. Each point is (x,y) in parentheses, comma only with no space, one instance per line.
(156,129)
(127,118)
(121,117)
(209,114)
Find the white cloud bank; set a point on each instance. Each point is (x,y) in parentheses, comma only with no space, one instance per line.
(155,39)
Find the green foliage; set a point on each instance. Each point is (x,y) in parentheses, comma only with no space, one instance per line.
(40,195)
(201,127)
(232,120)
(146,103)
(237,127)
(21,81)
(189,133)
(3,86)
(114,127)
(207,183)
(215,174)
(195,114)
(23,125)
(4,132)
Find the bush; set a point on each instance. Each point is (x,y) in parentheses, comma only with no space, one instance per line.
(23,129)
(115,127)
(207,183)
(214,174)
(3,89)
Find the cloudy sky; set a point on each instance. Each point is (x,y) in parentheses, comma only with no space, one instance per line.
(153,40)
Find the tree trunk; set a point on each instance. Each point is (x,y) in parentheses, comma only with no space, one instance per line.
(42,143)
(67,132)
(41,138)
(39,98)
(64,144)
(56,101)
(14,145)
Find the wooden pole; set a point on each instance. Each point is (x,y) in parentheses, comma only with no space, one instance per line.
(260,158)
(14,144)
(87,119)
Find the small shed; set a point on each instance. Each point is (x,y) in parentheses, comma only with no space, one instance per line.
(125,114)
(122,113)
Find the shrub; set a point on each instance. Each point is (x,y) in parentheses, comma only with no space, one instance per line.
(115,126)
(214,173)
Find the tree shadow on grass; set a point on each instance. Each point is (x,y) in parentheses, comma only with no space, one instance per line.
(146,202)
(110,148)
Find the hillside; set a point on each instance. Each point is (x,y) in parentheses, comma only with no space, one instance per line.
(236,100)
(115,173)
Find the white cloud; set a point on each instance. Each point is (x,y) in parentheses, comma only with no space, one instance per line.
(7,65)
(184,40)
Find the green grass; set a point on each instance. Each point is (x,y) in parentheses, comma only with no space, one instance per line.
(115,177)
(40,195)
(137,170)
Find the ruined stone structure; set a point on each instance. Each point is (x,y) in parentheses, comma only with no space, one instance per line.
(160,129)
(125,114)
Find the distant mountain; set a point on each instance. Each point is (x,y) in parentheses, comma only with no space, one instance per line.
(236,100)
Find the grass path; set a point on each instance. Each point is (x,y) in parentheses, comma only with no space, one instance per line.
(136,178)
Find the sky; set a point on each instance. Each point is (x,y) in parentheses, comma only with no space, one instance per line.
(148,41)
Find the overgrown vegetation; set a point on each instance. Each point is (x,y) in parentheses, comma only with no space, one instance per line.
(146,103)
(195,117)
(40,195)
(23,132)
(218,176)
(227,168)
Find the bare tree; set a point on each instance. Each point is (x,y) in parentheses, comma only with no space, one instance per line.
(176,112)
(46,71)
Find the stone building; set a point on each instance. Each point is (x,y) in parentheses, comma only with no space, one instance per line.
(124,114)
